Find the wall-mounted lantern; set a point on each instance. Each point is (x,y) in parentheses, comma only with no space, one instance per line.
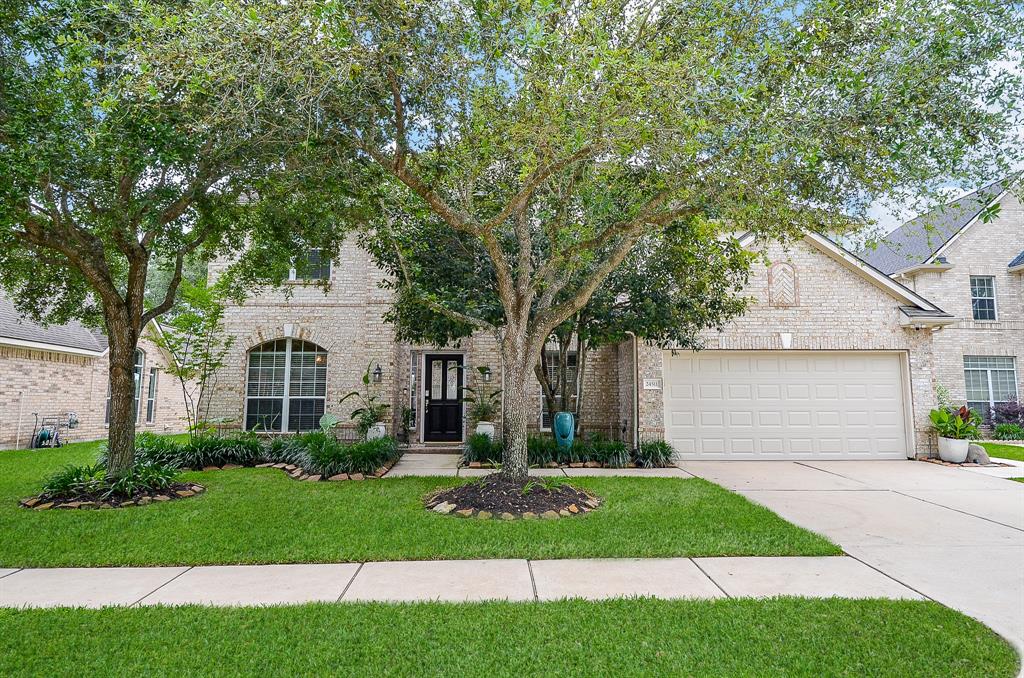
(378,374)
(486,374)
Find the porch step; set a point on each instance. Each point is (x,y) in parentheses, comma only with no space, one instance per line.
(432,449)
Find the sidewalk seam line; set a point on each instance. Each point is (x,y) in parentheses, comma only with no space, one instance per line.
(533,582)
(15,571)
(349,584)
(710,578)
(185,571)
(973,515)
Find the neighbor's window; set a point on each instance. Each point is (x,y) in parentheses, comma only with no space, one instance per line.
(990,380)
(551,366)
(311,266)
(140,361)
(151,396)
(287,386)
(983,297)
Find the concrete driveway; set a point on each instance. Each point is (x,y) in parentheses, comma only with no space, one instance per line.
(954,536)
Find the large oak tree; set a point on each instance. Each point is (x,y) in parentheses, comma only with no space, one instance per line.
(109,163)
(556,135)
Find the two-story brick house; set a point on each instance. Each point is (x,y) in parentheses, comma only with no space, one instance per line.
(833,359)
(968,257)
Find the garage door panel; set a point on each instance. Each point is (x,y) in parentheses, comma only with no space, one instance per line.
(761,405)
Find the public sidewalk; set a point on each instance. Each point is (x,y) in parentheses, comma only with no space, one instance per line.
(448,580)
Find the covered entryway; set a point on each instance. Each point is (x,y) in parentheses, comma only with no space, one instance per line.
(786,404)
(443,377)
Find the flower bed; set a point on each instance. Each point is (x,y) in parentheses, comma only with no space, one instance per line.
(591,452)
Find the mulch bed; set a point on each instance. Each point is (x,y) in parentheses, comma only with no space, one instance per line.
(496,496)
(298,473)
(86,501)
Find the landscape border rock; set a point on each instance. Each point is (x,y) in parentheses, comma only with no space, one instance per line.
(298,473)
(172,493)
(560,501)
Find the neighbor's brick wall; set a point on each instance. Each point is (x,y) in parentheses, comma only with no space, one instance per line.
(836,309)
(52,383)
(983,249)
(347,320)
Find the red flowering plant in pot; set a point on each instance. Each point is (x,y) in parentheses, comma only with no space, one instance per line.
(956,429)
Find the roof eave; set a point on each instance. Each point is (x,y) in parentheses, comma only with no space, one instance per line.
(52,348)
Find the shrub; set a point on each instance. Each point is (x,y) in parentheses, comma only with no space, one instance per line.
(325,455)
(242,448)
(1011,412)
(541,450)
(150,447)
(368,456)
(612,453)
(960,424)
(654,454)
(1008,432)
(92,481)
(480,447)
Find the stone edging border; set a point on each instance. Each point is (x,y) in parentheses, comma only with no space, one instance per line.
(578,464)
(183,491)
(448,508)
(298,473)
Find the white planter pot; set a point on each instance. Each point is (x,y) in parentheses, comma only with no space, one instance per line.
(953,450)
(378,430)
(485,427)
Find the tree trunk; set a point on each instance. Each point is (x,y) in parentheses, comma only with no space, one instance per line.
(121,432)
(519,356)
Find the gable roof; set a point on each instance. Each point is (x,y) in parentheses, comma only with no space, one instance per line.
(915,308)
(917,241)
(72,337)
(1017,263)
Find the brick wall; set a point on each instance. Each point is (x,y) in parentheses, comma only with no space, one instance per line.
(833,308)
(52,383)
(347,321)
(983,249)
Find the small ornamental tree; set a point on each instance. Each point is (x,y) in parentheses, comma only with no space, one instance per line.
(554,137)
(109,162)
(194,336)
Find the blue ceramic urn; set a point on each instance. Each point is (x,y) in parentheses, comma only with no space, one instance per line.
(564,427)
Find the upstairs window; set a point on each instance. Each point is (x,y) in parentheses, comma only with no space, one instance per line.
(983,297)
(286,387)
(990,380)
(311,266)
(551,366)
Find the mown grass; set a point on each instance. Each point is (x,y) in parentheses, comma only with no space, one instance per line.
(625,637)
(1015,452)
(262,516)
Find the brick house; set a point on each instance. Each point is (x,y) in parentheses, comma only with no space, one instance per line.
(971,263)
(834,359)
(59,369)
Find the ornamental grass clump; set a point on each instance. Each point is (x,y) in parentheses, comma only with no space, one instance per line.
(653,454)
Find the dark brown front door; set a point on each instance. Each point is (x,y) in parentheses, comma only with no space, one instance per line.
(442,398)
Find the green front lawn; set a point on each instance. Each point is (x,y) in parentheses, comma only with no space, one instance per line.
(739,637)
(262,516)
(1015,452)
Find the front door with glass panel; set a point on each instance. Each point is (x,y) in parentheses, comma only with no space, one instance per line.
(442,398)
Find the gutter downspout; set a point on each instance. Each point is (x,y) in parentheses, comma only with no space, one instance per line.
(636,389)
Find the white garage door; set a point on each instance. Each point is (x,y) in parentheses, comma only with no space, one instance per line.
(785,405)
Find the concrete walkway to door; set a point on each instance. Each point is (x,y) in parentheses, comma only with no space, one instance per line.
(950,534)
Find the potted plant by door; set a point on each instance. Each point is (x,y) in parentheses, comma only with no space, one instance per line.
(482,405)
(369,416)
(956,429)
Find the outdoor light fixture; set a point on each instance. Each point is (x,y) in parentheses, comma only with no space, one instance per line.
(378,373)
(486,374)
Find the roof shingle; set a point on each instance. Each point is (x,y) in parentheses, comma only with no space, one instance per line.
(916,241)
(71,335)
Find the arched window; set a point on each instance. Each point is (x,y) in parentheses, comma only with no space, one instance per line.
(140,363)
(287,386)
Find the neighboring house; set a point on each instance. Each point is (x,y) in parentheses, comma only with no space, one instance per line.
(970,263)
(832,360)
(54,370)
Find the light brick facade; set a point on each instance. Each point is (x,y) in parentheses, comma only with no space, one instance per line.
(51,382)
(982,249)
(835,308)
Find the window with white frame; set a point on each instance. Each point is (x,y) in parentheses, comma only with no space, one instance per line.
(286,387)
(551,366)
(990,380)
(983,297)
(151,396)
(140,362)
(312,265)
